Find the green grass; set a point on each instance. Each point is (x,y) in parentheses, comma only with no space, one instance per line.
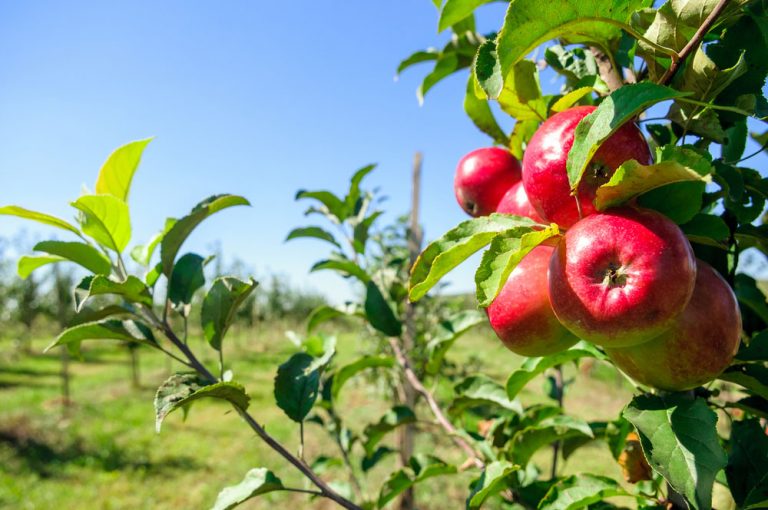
(107,455)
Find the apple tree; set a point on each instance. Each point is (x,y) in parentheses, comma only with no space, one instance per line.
(642,224)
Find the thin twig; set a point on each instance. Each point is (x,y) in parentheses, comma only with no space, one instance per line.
(693,43)
(417,385)
(325,490)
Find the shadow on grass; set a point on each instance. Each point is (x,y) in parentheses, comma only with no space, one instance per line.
(48,453)
(28,371)
(12,385)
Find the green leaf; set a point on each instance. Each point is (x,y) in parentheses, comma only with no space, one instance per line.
(615,110)
(487,69)
(680,441)
(454,11)
(362,230)
(180,390)
(29,263)
(45,219)
(379,313)
(492,481)
(532,367)
(257,481)
(702,122)
(632,179)
(754,405)
(480,390)
(132,289)
(521,135)
(448,331)
(420,468)
(672,26)
(758,496)
(178,233)
(105,218)
(345,373)
(154,274)
(142,254)
(756,349)
(418,57)
(529,23)
(521,96)
(447,64)
(80,253)
(187,277)
(575,63)
(117,171)
(752,376)
(528,441)
(316,232)
(352,200)
(94,315)
(370,460)
(326,313)
(479,112)
(706,229)
(455,246)
(704,79)
(102,330)
(506,251)
(679,201)
(751,296)
(331,204)
(735,141)
(748,459)
(580,491)
(570,99)
(344,266)
(220,306)
(526,81)
(296,386)
(742,40)
(395,417)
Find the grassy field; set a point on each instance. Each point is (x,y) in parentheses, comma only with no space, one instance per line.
(107,455)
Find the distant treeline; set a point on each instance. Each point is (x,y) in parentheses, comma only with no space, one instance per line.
(44,301)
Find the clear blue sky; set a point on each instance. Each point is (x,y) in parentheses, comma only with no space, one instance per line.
(254,98)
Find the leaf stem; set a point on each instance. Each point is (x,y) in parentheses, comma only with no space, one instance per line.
(714,106)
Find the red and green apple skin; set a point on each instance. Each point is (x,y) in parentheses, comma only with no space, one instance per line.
(521,314)
(544,165)
(483,177)
(621,277)
(697,348)
(516,202)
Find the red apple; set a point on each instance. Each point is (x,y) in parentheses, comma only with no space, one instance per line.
(482,178)
(621,277)
(515,201)
(544,173)
(700,344)
(521,314)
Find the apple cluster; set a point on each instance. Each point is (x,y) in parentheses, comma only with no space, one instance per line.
(625,279)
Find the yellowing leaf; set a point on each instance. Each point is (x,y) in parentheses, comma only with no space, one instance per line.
(632,179)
